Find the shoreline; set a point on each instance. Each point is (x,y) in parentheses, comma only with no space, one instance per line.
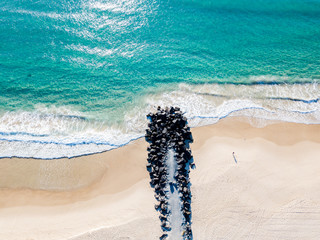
(224,128)
(210,103)
(109,191)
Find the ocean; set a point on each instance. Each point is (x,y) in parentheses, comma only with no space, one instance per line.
(79,76)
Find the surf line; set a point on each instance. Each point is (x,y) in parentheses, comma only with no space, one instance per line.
(169,163)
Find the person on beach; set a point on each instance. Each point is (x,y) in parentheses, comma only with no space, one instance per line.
(234,157)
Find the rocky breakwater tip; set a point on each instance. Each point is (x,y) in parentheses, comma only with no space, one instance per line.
(169,137)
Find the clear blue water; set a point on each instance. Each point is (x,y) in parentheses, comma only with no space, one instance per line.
(78,77)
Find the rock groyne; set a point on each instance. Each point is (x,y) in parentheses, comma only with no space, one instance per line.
(169,137)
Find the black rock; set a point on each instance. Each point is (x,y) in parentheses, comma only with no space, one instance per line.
(164,236)
(168,129)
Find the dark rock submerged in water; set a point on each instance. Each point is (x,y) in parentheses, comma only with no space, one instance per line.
(168,129)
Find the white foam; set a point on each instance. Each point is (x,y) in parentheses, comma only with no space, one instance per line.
(208,103)
(57,132)
(53,132)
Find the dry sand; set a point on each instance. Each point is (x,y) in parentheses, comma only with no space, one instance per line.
(271,192)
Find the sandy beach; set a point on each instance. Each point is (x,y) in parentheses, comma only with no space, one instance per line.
(250,183)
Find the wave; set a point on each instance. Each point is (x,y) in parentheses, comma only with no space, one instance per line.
(271,98)
(22,133)
(296,99)
(56,132)
(62,143)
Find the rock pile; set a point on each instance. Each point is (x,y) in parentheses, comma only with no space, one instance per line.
(168,130)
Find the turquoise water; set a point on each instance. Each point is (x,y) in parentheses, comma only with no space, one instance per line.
(78,77)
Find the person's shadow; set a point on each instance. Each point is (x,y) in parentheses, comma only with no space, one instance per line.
(234,158)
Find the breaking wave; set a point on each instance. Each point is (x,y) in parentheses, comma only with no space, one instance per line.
(56,132)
